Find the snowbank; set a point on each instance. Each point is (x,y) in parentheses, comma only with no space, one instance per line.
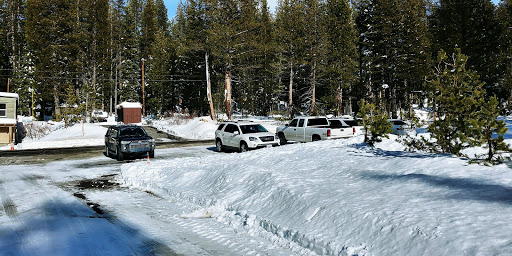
(342,197)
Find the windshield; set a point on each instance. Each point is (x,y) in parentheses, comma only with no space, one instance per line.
(132,132)
(252,128)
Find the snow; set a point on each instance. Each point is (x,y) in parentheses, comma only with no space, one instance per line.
(343,197)
(9,95)
(337,197)
(130,105)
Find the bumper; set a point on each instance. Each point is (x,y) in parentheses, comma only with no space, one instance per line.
(256,144)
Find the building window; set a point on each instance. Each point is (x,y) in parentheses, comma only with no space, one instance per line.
(3,110)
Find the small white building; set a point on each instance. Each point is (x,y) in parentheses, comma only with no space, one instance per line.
(8,117)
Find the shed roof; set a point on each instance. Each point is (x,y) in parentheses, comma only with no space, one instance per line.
(129,105)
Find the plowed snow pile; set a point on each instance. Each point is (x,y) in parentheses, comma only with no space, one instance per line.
(341,196)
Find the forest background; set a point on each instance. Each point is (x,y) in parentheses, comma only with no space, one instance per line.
(312,56)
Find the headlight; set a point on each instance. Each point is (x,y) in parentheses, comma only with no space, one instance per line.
(125,142)
(152,141)
(276,137)
(253,138)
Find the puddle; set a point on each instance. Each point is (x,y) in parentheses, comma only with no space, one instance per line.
(103,182)
(94,206)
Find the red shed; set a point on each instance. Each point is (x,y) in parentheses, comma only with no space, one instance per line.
(129,112)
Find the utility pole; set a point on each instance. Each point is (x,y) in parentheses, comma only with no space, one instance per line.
(8,81)
(143,94)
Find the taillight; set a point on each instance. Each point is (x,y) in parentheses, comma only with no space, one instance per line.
(353,130)
(329,133)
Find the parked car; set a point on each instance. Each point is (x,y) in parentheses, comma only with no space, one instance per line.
(399,127)
(123,141)
(99,115)
(243,136)
(344,128)
(305,129)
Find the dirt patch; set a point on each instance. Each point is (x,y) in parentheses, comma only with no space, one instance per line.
(103,182)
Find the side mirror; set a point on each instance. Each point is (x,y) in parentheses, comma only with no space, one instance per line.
(237,133)
(286,124)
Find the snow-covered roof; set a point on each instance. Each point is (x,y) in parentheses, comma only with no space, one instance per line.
(129,105)
(9,95)
(7,121)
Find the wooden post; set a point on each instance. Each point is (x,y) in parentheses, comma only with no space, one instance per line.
(8,82)
(143,94)
(228,93)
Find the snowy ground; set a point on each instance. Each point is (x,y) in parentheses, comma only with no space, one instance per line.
(337,197)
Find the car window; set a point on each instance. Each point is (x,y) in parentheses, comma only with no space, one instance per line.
(231,128)
(399,123)
(317,121)
(220,127)
(351,122)
(301,123)
(336,123)
(252,128)
(132,132)
(293,123)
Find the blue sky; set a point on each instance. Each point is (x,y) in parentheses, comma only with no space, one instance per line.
(172,5)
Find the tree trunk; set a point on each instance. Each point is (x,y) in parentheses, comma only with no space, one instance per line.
(209,87)
(313,91)
(290,91)
(340,101)
(228,93)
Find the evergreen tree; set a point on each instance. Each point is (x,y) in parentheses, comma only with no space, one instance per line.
(49,34)
(470,25)
(505,61)
(291,28)
(342,56)
(457,94)
(130,87)
(375,122)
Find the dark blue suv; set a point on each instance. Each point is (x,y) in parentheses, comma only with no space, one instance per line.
(123,141)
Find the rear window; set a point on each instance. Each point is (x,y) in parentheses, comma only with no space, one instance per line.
(351,122)
(336,123)
(317,121)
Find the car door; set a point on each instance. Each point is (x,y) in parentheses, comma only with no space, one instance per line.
(291,131)
(231,139)
(300,133)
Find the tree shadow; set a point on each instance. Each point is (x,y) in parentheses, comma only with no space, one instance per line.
(71,228)
(394,154)
(461,188)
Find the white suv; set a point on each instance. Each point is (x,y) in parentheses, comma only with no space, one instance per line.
(243,136)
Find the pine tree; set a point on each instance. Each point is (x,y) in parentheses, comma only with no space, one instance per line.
(49,34)
(375,122)
(489,124)
(342,56)
(291,28)
(505,59)
(470,25)
(457,94)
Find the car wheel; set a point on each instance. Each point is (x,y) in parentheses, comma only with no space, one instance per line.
(243,147)
(316,138)
(152,154)
(218,146)
(120,156)
(282,139)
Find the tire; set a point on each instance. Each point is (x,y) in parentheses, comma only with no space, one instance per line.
(282,139)
(243,147)
(152,154)
(120,156)
(218,146)
(315,138)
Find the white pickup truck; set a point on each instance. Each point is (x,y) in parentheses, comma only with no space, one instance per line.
(305,129)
